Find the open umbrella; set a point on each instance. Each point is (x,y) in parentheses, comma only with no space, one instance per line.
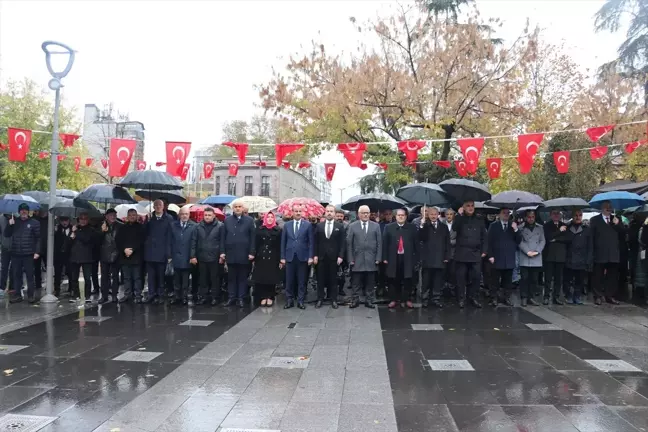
(66,193)
(620,200)
(197,211)
(67,207)
(40,196)
(428,194)
(171,196)
(310,207)
(566,204)
(462,190)
(9,203)
(106,194)
(258,204)
(375,201)
(514,199)
(218,200)
(151,179)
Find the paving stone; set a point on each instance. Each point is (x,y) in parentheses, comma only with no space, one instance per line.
(10,349)
(196,323)
(138,356)
(450,365)
(613,366)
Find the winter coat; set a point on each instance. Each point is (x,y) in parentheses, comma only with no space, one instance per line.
(207,248)
(580,254)
(83,245)
(131,235)
(556,248)
(156,245)
(364,250)
(182,243)
(502,245)
(471,238)
(391,236)
(5,242)
(435,245)
(605,239)
(531,240)
(25,237)
(266,261)
(62,243)
(108,252)
(237,239)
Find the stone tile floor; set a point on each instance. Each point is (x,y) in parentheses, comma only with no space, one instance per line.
(146,368)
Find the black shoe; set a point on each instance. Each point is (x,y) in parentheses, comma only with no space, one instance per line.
(289,305)
(124,299)
(598,301)
(301,306)
(202,301)
(159,301)
(437,304)
(103,301)
(240,304)
(370,305)
(546,301)
(462,304)
(230,302)
(475,304)
(31,300)
(149,299)
(532,302)
(17,299)
(508,302)
(493,303)
(334,305)
(318,304)
(523,302)
(612,300)
(138,300)
(558,302)
(354,304)
(175,301)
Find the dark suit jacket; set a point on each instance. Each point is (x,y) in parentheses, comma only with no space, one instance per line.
(502,245)
(331,248)
(556,247)
(391,237)
(297,246)
(237,239)
(180,243)
(605,239)
(435,247)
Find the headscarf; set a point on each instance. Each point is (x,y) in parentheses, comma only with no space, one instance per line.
(266,223)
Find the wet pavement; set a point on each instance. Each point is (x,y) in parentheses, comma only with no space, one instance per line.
(146,368)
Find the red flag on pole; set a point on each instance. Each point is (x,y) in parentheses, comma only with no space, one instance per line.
(89,161)
(77,163)
(68,139)
(176,156)
(184,172)
(330,171)
(303,165)
(140,165)
(471,149)
(598,152)
(241,150)
(494,166)
(382,165)
(208,169)
(461,167)
(411,149)
(596,133)
(561,160)
(60,157)
(43,155)
(121,153)
(104,163)
(19,141)
(442,163)
(233,169)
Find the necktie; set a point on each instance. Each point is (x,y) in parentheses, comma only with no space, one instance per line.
(364,227)
(435,226)
(328,230)
(401,248)
(296,227)
(505,226)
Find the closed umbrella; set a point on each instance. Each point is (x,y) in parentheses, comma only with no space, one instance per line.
(106,194)
(67,207)
(9,203)
(152,180)
(620,200)
(566,204)
(172,196)
(218,200)
(375,201)
(462,190)
(258,204)
(514,199)
(428,194)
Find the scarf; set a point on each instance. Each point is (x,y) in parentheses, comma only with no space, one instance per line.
(266,223)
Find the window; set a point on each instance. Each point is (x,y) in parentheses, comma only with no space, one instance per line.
(231,185)
(248,185)
(265,186)
(217,185)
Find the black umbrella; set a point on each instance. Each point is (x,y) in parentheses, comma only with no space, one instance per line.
(40,196)
(66,193)
(105,194)
(462,190)
(172,197)
(375,201)
(152,180)
(423,193)
(514,199)
(566,204)
(66,207)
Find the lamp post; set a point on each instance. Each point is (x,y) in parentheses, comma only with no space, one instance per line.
(52,48)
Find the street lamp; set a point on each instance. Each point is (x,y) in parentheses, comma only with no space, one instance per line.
(52,48)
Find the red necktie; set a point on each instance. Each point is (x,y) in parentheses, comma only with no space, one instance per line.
(401,249)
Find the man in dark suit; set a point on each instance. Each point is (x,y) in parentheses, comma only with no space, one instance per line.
(435,255)
(297,253)
(329,251)
(606,229)
(555,255)
(205,252)
(400,251)
(156,248)
(502,248)
(469,250)
(181,242)
(237,248)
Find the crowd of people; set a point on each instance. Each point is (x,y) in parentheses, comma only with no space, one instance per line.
(460,253)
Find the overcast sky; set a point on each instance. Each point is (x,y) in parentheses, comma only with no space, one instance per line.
(183,68)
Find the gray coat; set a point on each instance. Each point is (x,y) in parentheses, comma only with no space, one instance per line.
(364,249)
(531,241)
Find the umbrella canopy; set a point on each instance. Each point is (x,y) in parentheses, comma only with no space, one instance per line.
(218,200)
(174,208)
(122,210)
(197,211)
(68,207)
(482,208)
(9,203)
(566,204)
(310,207)
(151,179)
(462,190)
(514,199)
(106,194)
(375,201)
(424,193)
(66,193)
(258,204)
(620,200)
(40,196)
(172,197)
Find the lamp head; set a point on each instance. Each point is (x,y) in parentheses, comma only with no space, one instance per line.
(52,48)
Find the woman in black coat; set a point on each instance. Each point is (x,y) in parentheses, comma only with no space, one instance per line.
(267,268)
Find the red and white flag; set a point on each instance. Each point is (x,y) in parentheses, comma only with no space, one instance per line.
(462,168)
(43,155)
(121,153)
(382,165)
(233,169)
(261,164)
(631,147)
(68,139)
(528,146)
(442,164)
(561,160)
(140,165)
(89,161)
(104,163)
(77,163)
(598,152)
(303,165)
(176,156)
(411,149)
(61,157)
(283,150)
(208,169)
(285,164)
(471,149)
(494,166)
(241,150)
(353,152)
(19,141)
(184,172)
(330,171)
(597,132)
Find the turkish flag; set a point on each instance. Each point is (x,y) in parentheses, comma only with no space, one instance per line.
(304,165)
(596,133)
(140,165)
(261,163)
(382,165)
(19,141)
(283,150)
(561,160)
(2,146)
(77,163)
(89,161)
(184,172)
(461,167)
(43,155)
(443,163)
(494,166)
(471,149)
(176,156)
(60,157)
(121,153)
(208,169)
(353,152)
(241,150)
(526,163)
(330,171)
(104,163)
(233,169)
(411,149)
(598,152)
(285,165)
(68,139)
(159,164)
(631,147)
(529,144)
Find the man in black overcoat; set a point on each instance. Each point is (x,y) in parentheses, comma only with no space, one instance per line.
(330,237)
(400,251)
